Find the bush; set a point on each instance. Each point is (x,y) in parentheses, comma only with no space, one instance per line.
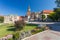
(36,30)
(16,35)
(10,39)
(1,19)
(19,25)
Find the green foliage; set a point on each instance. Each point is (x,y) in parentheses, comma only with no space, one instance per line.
(53,16)
(19,25)
(58,3)
(43,17)
(10,39)
(16,35)
(56,15)
(57,10)
(1,19)
(4,29)
(37,30)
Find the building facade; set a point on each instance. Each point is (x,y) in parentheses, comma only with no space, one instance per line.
(47,13)
(10,18)
(37,16)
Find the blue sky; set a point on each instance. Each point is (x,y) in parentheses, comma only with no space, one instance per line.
(19,7)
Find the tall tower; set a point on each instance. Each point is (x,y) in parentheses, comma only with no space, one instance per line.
(28,13)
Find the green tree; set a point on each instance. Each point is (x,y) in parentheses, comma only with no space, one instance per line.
(1,19)
(19,25)
(43,17)
(53,16)
(16,35)
(58,3)
(57,10)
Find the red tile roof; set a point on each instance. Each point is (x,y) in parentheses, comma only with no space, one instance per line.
(21,17)
(47,11)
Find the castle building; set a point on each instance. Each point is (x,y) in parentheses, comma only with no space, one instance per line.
(30,16)
(37,16)
(33,16)
(47,13)
(10,18)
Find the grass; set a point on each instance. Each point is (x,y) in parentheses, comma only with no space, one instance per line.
(4,31)
(29,27)
(8,29)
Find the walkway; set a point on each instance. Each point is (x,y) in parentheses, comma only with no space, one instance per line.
(43,22)
(45,35)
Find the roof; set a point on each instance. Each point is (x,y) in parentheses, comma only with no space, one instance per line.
(21,17)
(45,35)
(47,11)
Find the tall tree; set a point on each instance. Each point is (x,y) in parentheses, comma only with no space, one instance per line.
(56,15)
(58,3)
(53,16)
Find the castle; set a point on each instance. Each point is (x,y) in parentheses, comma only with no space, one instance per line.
(30,16)
(37,16)
(10,18)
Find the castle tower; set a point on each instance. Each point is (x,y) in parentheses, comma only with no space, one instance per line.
(28,13)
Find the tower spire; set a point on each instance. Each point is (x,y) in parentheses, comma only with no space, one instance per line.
(29,8)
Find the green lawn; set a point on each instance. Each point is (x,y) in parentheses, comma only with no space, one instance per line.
(8,29)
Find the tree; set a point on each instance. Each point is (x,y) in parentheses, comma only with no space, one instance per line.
(19,25)
(57,10)
(1,19)
(43,17)
(53,16)
(58,3)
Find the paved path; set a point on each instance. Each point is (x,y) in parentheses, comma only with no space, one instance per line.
(45,35)
(55,27)
(43,22)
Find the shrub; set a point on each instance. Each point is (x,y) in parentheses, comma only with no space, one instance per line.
(16,35)
(10,39)
(19,25)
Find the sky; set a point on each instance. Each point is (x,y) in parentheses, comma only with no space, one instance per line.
(19,7)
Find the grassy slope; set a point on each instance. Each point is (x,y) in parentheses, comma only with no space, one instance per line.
(4,29)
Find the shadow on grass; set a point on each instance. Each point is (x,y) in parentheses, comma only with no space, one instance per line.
(11,28)
(31,24)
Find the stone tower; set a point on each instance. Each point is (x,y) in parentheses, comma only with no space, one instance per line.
(28,13)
